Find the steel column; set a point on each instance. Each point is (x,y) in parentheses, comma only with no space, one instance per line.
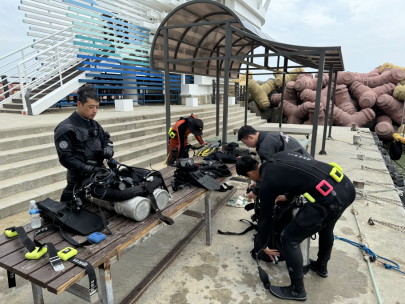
(282,92)
(317,103)
(37,294)
(325,128)
(167,88)
(333,106)
(228,53)
(246,94)
(218,95)
(106,288)
(208,226)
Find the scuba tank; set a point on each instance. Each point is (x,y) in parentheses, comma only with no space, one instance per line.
(138,208)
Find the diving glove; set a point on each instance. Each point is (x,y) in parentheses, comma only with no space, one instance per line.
(108,152)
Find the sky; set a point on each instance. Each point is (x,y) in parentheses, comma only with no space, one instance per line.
(369,31)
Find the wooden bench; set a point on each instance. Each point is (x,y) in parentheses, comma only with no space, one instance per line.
(307,131)
(126,234)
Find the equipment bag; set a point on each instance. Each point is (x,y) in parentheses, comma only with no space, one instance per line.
(81,222)
(225,157)
(208,150)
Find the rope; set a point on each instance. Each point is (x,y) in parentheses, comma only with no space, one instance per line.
(373,256)
(354,211)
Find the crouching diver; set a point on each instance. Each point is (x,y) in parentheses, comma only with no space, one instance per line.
(267,145)
(81,142)
(328,191)
(179,136)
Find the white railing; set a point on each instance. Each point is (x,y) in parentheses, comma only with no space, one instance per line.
(27,56)
(49,64)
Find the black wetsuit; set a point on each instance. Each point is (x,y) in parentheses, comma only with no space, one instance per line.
(268,144)
(293,173)
(79,140)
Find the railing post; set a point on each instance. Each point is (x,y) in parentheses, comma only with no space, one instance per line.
(23,57)
(213,92)
(60,68)
(5,86)
(22,92)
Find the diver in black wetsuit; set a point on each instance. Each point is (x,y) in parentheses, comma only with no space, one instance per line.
(295,174)
(81,142)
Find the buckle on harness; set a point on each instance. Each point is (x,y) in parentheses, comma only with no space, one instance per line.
(171,133)
(337,177)
(10,233)
(35,255)
(336,166)
(321,191)
(309,197)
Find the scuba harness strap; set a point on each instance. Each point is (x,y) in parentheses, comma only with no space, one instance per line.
(37,249)
(250,228)
(155,207)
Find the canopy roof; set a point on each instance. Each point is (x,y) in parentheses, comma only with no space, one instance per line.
(196,30)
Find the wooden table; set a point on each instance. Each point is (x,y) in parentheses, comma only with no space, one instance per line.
(126,234)
(286,130)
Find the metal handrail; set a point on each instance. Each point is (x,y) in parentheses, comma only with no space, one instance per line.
(46,44)
(49,67)
(36,42)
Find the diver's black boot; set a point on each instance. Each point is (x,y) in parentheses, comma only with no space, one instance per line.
(319,267)
(288,293)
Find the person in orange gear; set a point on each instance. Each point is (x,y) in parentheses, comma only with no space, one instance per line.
(179,135)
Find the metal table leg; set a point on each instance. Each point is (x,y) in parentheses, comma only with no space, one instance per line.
(106,290)
(37,294)
(208,228)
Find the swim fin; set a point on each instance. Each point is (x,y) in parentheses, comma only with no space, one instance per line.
(200,179)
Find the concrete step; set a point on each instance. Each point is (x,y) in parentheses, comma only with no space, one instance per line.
(16,192)
(147,126)
(7,133)
(20,101)
(26,160)
(13,106)
(10,111)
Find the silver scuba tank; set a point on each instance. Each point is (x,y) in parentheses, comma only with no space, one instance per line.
(162,198)
(136,208)
(304,246)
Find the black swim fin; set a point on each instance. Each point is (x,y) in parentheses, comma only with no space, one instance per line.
(200,179)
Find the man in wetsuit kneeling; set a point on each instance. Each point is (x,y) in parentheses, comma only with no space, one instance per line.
(328,191)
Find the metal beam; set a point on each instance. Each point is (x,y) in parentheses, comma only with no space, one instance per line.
(333,106)
(317,103)
(218,96)
(282,92)
(228,53)
(325,128)
(198,24)
(278,54)
(167,88)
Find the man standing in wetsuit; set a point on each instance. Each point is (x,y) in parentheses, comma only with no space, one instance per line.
(81,142)
(267,145)
(329,193)
(179,135)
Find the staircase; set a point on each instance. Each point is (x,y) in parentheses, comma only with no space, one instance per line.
(16,105)
(29,165)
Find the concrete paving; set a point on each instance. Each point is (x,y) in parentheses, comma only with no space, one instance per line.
(225,271)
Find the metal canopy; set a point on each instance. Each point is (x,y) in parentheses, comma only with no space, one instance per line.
(207,38)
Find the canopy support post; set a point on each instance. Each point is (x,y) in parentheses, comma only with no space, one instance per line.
(167,87)
(317,102)
(228,53)
(333,106)
(325,128)
(282,92)
(218,95)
